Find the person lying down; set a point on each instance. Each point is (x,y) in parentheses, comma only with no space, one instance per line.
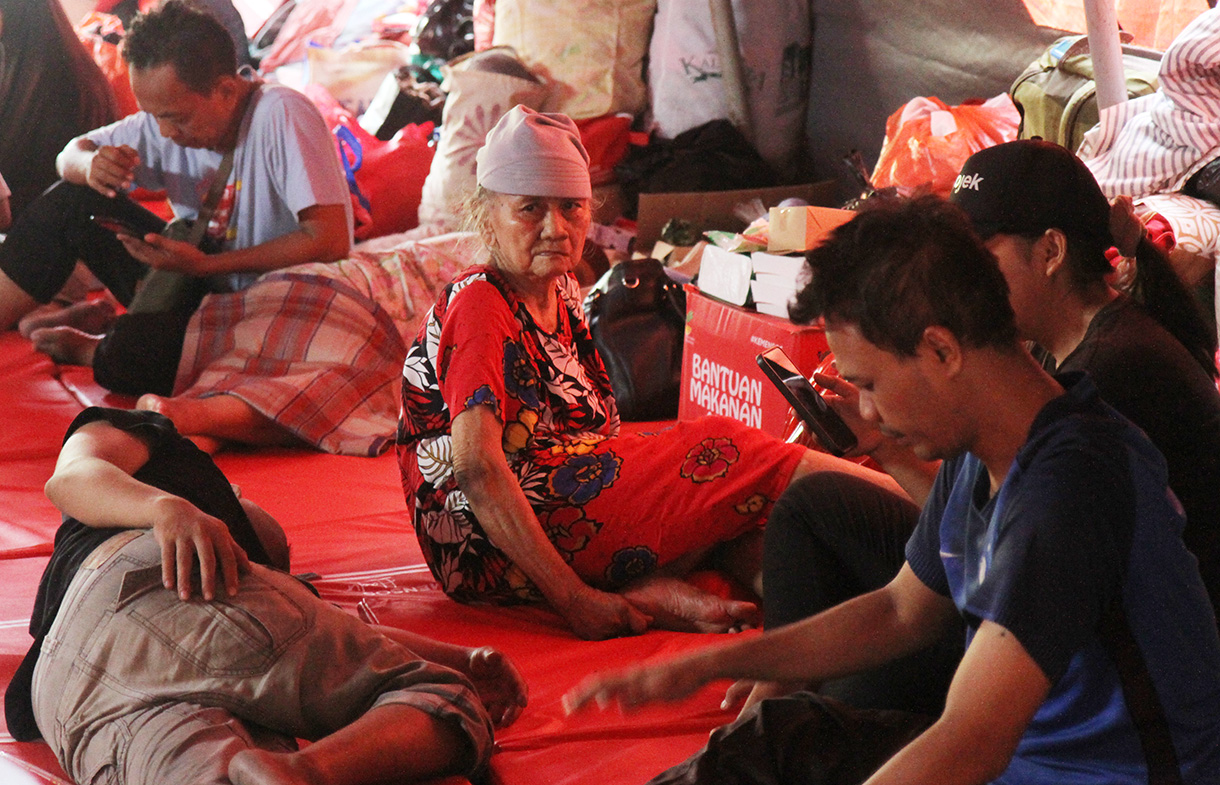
(204,659)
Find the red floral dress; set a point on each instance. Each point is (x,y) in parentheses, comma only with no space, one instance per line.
(616,507)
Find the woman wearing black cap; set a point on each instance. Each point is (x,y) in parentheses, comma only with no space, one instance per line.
(1144,342)
(1146,345)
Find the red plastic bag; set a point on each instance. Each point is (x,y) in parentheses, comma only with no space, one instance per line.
(101,33)
(927,141)
(386,179)
(606,139)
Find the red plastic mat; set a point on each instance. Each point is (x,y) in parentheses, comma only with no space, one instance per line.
(347,522)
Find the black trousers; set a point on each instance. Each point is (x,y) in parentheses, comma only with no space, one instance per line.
(140,352)
(831,537)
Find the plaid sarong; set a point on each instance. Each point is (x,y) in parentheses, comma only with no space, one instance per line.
(318,348)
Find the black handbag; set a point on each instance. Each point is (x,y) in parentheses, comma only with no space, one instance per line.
(169,290)
(637,315)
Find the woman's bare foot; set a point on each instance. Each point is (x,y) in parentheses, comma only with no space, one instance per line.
(675,604)
(66,345)
(259,767)
(90,316)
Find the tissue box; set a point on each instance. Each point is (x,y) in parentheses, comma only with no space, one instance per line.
(725,274)
(719,372)
(772,293)
(802,228)
(791,267)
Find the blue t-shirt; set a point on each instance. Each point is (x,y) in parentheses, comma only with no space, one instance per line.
(1084,514)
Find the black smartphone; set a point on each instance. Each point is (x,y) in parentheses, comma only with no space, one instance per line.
(832,432)
(119,226)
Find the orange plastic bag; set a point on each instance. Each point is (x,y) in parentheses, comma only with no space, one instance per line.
(927,141)
(101,34)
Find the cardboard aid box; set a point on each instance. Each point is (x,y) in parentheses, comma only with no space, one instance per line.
(716,209)
(798,229)
(719,372)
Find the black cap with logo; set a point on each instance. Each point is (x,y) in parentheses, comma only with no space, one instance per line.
(1029,186)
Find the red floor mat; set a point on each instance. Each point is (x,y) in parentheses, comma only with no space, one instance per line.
(346,520)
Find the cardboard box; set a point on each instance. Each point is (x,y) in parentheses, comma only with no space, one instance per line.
(801,228)
(714,209)
(719,372)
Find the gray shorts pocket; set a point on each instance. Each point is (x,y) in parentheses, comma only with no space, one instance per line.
(232,637)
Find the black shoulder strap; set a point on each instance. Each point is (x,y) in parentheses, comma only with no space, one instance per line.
(1139,692)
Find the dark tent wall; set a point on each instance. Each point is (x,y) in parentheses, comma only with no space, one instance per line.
(872,56)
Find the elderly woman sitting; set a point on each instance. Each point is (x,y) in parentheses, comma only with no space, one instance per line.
(522,488)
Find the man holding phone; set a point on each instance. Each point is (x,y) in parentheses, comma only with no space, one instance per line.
(1092,651)
(835,435)
(285,202)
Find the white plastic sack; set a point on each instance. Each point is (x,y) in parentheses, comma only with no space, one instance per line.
(354,73)
(591,52)
(686,87)
(477,99)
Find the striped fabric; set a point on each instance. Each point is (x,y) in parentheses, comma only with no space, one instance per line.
(318,348)
(1154,143)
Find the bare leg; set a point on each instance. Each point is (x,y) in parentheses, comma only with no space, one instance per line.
(14,302)
(388,744)
(66,345)
(223,417)
(501,688)
(91,316)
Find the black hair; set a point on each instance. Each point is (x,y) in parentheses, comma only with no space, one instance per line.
(1154,284)
(1168,300)
(180,33)
(901,266)
(51,91)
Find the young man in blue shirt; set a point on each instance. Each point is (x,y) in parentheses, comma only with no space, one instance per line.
(1092,653)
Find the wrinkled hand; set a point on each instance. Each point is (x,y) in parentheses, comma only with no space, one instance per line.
(500,686)
(188,536)
(844,398)
(111,169)
(634,687)
(596,615)
(166,254)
